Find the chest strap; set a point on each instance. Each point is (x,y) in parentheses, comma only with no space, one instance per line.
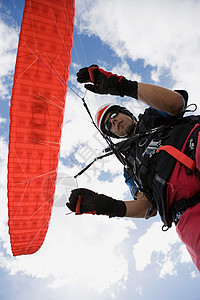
(180,156)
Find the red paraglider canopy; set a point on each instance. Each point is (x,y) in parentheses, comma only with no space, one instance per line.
(36,117)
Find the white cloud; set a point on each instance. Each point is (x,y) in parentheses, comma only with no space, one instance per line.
(168,268)
(77,247)
(165,34)
(8,46)
(194,274)
(139,290)
(2,120)
(3,191)
(184,255)
(155,241)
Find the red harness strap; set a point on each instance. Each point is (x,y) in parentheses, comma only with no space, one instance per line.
(180,156)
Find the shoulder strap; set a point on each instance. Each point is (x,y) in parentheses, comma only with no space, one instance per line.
(180,156)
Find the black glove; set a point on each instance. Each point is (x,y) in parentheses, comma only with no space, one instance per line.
(106,82)
(95,203)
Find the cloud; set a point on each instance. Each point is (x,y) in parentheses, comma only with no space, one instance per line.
(154,240)
(168,268)
(8,45)
(139,290)
(3,203)
(2,120)
(159,247)
(85,247)
(164,34)
(184,255)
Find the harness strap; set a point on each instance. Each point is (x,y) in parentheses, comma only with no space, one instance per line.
(180,156)
(179,207)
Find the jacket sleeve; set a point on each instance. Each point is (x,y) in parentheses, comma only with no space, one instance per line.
(131,184)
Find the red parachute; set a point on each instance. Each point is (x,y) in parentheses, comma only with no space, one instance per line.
(36,117)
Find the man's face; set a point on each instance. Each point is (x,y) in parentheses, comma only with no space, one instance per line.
(121,124)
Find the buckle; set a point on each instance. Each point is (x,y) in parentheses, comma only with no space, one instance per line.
(152,148)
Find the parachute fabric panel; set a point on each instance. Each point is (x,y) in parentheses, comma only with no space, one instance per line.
(36,117)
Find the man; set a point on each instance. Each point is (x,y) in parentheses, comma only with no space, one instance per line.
(161,152)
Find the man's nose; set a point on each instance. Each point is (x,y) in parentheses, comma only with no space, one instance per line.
(113,122)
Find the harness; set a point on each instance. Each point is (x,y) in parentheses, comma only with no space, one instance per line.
(151,156)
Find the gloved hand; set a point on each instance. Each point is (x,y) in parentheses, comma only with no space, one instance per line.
(106,82)
(95,203)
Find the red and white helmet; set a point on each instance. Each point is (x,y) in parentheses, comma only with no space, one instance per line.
(102,113)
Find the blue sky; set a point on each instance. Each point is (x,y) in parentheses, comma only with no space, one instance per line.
(95,257)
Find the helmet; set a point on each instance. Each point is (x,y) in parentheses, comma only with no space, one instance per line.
(102,113)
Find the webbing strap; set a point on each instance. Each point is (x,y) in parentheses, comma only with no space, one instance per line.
(180,156)
(180,206)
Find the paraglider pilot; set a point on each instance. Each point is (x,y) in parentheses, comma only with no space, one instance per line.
(162,155)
